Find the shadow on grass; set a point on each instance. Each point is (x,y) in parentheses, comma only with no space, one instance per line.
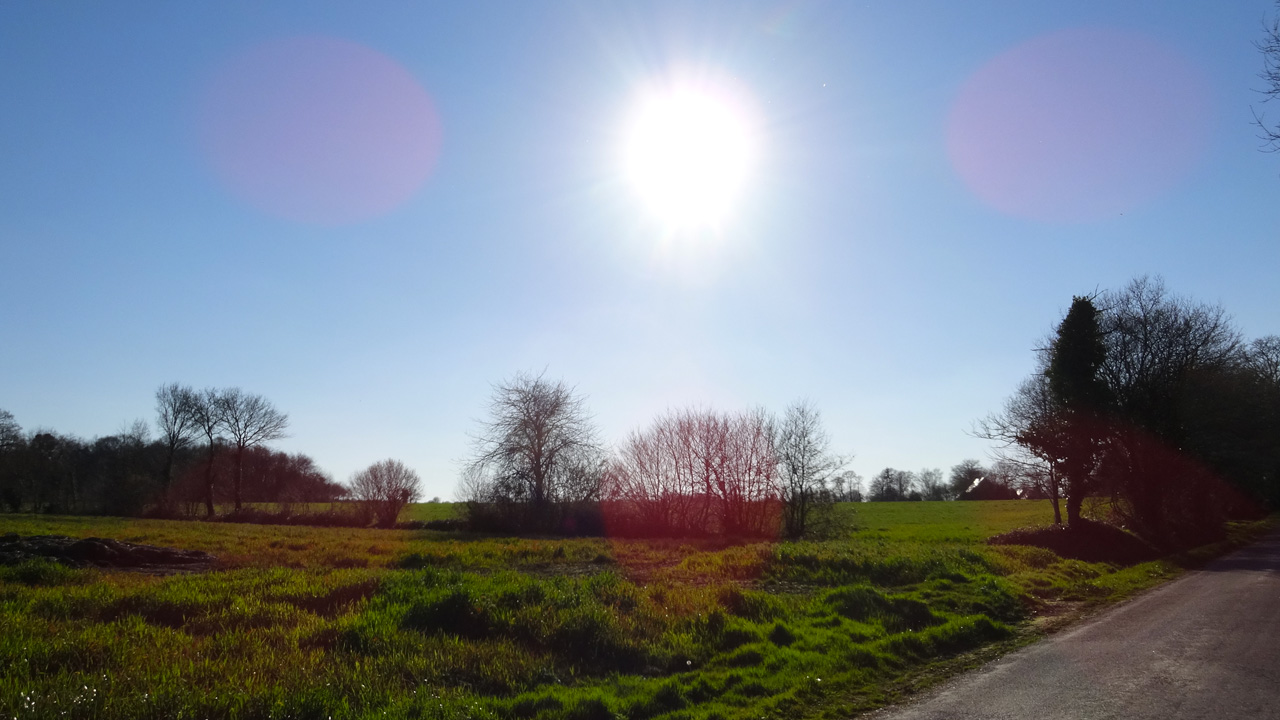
(1087,540)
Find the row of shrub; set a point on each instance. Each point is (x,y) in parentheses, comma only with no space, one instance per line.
(624,519)
(349,515)
(581,519)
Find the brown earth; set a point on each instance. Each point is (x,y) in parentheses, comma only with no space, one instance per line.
(101,553)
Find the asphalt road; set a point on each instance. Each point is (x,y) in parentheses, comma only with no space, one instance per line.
(1206,645)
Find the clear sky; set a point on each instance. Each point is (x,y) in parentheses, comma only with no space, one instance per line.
(370,212)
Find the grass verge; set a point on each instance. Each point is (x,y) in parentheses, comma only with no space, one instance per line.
(319,623)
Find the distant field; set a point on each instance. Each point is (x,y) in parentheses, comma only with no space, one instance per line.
(432,511)
(304,622)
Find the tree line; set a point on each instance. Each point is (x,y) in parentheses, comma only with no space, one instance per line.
(1154,405)
(967,480)
(210,448)
(1151,404)
(540,466)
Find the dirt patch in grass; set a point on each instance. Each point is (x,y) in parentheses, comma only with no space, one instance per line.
(101,553)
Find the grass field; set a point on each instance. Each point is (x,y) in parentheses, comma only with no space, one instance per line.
(299,622)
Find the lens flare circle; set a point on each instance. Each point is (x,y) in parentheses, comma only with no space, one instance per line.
(689,150)
(1078,125)
(318,130)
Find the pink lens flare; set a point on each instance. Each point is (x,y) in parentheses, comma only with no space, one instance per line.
(319,130)
(1078,125)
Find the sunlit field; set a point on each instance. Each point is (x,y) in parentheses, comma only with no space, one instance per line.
(300,622)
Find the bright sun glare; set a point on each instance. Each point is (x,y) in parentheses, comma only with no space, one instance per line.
(689,150)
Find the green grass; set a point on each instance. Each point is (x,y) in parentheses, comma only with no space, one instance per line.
(300,622)
(424,512)
(944,522)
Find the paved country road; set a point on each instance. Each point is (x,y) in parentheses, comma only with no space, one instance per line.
(1206,645)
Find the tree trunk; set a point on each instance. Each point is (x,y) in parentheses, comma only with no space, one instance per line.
(208,485)
(168,472)
(1055,494)
(1075,499)
(235,484)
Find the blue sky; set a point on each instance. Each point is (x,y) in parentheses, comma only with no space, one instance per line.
(908,233)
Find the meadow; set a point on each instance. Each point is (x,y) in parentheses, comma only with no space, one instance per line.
(302,622)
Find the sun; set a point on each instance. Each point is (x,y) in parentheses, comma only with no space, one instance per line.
(689,151)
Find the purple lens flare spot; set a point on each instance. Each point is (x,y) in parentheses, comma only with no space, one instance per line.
(1078,125)
(319,130)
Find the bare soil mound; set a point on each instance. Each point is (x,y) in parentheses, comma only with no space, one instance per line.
(101,553)
(1087,540)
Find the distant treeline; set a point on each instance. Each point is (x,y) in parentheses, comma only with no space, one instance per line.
(540,467)
(1154,406)
(182,471)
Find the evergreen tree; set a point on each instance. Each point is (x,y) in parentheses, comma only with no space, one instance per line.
(1081,396)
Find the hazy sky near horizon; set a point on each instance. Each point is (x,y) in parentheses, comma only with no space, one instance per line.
(371,213)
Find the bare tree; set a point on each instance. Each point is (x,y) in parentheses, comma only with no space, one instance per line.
(846,487)
(1161,352)
(1030,478)
(537,451)
(119,479)
(964,475)
(206,409)
(1154,342)
(250,421)
(176,420)
(385,488)
(10,432)
(751,490)
(12,444)
(1030,434)
(931,485)
(697,472)
(650,480)
(1002,482)
(891,485)
(1269,46)
(808,468)
(1055,426)
(1263,358)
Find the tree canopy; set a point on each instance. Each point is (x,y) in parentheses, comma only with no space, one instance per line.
(1154,402)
